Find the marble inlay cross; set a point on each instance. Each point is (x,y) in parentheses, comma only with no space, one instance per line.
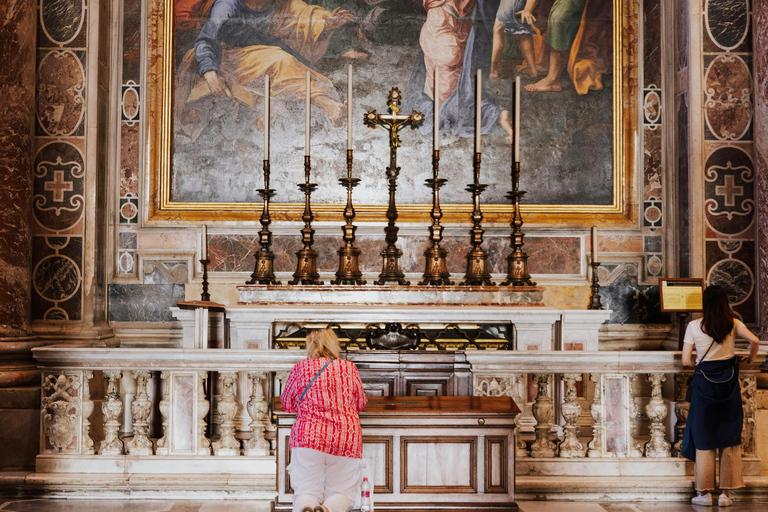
(58,186)
(729,190)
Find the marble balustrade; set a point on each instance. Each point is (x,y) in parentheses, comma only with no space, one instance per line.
(577,405)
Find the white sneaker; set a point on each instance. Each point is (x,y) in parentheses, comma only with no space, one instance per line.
(724,501)
(702,499)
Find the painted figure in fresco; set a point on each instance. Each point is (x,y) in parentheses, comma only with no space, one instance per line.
(241,41)
(572,35)
(515,17)
(457,36)
(562,26)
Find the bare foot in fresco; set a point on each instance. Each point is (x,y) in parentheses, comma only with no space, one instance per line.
(544,85)
(525,69)
(504,123)
(355,54)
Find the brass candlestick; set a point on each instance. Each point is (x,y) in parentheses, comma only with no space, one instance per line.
(393,122)
(349,268)
(594,299)
(205,296)
(264,271)
(517,261)
(477,259)
(306,268)
(436,269)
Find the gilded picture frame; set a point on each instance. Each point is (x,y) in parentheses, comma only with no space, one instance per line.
(162,208)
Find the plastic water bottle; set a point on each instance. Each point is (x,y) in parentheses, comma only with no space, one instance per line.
(365,496)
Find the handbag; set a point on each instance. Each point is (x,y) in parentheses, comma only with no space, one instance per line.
(689,391)
(313,380)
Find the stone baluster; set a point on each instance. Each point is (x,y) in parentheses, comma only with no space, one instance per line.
(518,383)
(87,408)
(140,409)
(227,444)
(61,427)
(749,404)
(543,410)
(203,443)
(112,408)
(681,411)
(595,446)
(571,410)
(656,409)
(635,447)
(164,405)
(257,409)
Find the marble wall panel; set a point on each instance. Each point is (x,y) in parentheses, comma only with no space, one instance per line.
(683,191)
(17,90)
(60,169)
(143,303)
(630,301)
(683,33)
(760,72)
(547,255)
(729,194)
(652,43)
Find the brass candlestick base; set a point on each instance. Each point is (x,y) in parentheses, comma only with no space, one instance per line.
(205,296)
(393,122)
(349,268)
(594,299)
(306,268)
(264,271)
(477,259)
(436,268)
(517,261)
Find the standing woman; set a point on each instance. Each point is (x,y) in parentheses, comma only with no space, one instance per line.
(715,416)
(326,394)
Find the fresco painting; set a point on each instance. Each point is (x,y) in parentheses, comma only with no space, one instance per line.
(561,49)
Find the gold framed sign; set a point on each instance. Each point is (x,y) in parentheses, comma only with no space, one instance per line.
(681,295)
(208,59)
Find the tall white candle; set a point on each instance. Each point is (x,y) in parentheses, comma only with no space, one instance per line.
(594,243)
(478,101)
(349,107)
(306,120)
(436,94)
(204,243)
(266,117)
(517,118)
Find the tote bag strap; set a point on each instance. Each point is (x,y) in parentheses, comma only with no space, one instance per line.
(313,380)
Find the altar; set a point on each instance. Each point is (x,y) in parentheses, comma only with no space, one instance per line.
(455,453)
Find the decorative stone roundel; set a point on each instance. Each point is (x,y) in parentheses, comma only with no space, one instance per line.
(652,107)
(61,20)
(56,278)
(59,186)
(729,189)
(735,276)
(727,22)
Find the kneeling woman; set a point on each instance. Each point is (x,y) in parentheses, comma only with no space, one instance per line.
(326,394)
(715,416)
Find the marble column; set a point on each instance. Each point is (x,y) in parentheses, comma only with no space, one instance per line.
(760,70)
(17,101)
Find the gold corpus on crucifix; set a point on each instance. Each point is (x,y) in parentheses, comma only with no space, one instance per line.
(393,121)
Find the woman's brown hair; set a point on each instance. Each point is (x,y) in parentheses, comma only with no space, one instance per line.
(718,316)
(323,343)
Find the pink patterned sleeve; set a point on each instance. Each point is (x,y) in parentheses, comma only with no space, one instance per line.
(288,398)
(362,401)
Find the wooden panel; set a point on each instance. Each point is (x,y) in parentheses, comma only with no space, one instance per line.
(424,459)
(381,448)
(426,388)
(496,464)
(385,388)
(286,446)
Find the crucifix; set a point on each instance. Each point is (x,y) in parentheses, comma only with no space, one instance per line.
(393,122)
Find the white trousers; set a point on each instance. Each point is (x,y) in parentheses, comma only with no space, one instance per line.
(319,478)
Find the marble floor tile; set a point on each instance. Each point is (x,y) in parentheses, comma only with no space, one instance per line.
(559,506)
(683,507)
(75,505)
